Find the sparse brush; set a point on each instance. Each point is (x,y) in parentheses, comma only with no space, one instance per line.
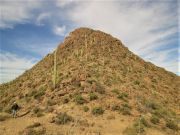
(172,125)
(65,100)
(116,91)
(63,118)
(151,104)
(115,107)
(122,96)
(92,96)
(137,128)
(86,108)
(51,102)
(99,88)
(154,119)
(125,109)
(38,112)
(39,94)
(97,111)
(79,99)
(136,82)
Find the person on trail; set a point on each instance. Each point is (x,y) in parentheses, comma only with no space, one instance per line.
(14,108)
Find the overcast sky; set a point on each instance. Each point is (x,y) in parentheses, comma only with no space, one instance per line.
(30,29)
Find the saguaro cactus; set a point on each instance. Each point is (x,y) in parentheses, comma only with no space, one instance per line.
(55,69)
(86,46)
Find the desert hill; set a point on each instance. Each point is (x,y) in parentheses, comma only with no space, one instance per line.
(92,84)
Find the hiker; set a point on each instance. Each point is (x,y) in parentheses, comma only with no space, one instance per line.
(14,108)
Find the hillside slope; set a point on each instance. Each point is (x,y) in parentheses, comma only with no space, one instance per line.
(96,75)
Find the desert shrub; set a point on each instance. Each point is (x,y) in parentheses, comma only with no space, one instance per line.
(154,119)
(65,100)
(116,91)
(158,110)
(115,107)
(97,111)
(144,122)
(27,99)
(38,112)
(51,102)
(63,118)
(172,125)
(86,108)
(32,93)
(99,88)
(79,99)
(122,96)
(151,104)
(92,96)
(42,88)
(136,82)
(154,80)
(49,109)
(91,81)
(39,93)
(137,128)
(125,109)
(1,108)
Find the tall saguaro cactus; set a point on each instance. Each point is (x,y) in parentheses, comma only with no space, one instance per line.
(55,69)
(86,46)
(103,53)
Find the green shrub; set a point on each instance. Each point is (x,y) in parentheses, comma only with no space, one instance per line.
(125,109)
(115,107)
(152,105)
(79,99)
(144,122)
(99,88)
(86,108)
(93,96)
(63,118)
(137,128)
(1,108)
(32,93)
(97,111)
(39,94)
(38,112)
(116,91)
(136,82)
(49,109)
(65,100)
(51,102)
(172,125)
(154,119)
(122,96)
